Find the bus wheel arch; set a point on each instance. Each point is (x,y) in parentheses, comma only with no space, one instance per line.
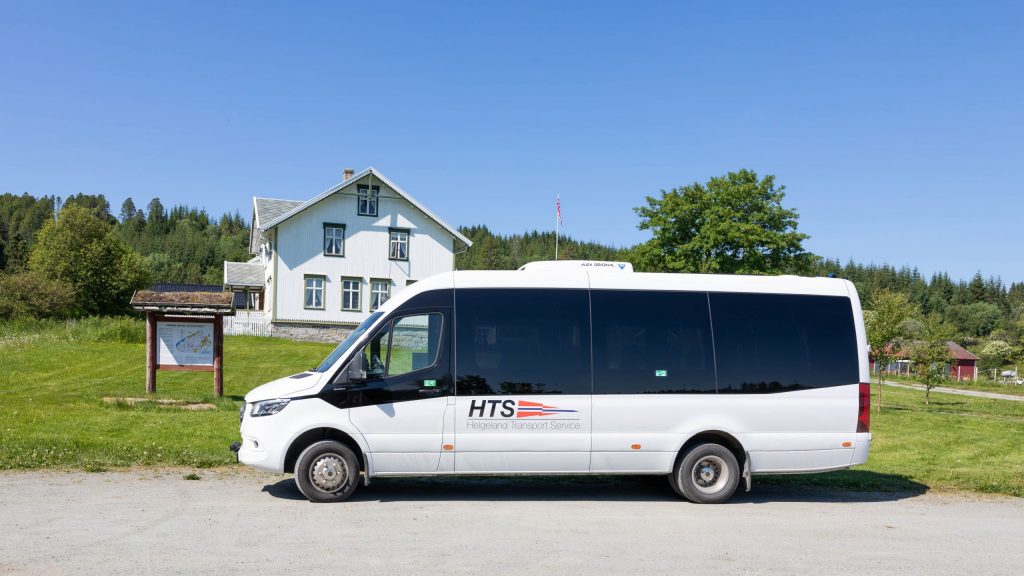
(314,435)
(711,449)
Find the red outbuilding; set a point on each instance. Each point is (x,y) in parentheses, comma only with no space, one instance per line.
(962,365)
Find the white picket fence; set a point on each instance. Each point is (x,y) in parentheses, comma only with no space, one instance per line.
(248,323)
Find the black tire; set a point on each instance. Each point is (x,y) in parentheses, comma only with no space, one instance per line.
(706,474)
(327,471)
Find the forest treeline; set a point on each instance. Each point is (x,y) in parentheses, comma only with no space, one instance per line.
(178,245)
(977,307)
(186,245)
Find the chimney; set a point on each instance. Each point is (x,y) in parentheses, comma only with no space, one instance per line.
(348,173)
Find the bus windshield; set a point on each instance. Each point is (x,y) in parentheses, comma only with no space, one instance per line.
(347,343)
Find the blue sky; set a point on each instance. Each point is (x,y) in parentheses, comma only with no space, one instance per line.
(896,127)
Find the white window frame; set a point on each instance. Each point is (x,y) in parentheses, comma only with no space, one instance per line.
(379,297)
(336,238)
(397,239)
(371,196)
(309,288)
(346,290)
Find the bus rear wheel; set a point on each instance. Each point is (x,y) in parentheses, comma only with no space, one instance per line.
(327,471)
(706,474)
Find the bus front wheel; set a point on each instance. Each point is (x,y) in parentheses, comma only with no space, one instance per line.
(327,471)
(706,474)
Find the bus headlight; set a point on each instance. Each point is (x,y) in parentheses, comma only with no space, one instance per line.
(269,407)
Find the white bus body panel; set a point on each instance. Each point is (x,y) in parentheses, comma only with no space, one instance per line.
(531,444)
(784,432)
(404,437)
(774,428)
(266,439)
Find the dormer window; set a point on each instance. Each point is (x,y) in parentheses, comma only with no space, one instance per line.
(367,199)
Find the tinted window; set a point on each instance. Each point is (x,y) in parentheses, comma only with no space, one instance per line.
(522,341)
(775,342)
(652,342)
(414,343)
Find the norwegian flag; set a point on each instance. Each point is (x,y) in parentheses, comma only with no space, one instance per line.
(558,209)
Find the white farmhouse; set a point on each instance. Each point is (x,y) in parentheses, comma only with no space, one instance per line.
(322,265)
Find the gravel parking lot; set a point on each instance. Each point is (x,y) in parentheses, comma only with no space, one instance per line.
(236,521)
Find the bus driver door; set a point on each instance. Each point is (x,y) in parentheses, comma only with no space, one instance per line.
(399,400)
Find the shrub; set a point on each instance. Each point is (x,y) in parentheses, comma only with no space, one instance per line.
(33,295)
(995,354)
(81,250)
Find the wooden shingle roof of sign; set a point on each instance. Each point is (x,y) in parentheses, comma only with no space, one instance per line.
(184,302)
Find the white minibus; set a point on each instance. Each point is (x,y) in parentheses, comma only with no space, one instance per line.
(578,368)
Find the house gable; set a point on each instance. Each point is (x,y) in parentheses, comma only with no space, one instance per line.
(368,177)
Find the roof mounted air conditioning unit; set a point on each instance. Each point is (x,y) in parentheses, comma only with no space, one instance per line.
(566,265)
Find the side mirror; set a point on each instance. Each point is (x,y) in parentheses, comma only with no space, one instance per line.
(354,372)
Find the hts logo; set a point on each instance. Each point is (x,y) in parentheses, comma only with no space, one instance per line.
(513,408)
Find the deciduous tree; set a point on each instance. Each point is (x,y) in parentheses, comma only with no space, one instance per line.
(930,354)
(885,321)
(83,251)
(995,353)
(731,224)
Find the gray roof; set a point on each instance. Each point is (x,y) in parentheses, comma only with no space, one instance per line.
(243,274)
(264,210)
(270,209)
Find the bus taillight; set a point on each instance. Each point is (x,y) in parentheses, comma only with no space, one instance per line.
(864,413)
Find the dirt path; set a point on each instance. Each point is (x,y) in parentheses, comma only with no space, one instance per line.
(975,393)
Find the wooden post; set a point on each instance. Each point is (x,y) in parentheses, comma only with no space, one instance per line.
(151,345)
(218,355)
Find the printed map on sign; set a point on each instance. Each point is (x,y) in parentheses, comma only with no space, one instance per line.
(184,343)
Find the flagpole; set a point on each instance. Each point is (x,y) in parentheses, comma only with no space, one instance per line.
(558,202)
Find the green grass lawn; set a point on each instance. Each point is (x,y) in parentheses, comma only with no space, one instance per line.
(53,383)
(55,415)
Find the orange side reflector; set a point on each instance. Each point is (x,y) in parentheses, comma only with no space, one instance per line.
(847,444)
(448,447)
(635,446)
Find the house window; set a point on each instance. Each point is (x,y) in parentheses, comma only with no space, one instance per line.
(399,244)
(315,292)
(367,199)
(334,239)
(351,294)
(380,291)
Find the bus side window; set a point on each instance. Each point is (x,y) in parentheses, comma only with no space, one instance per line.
(783,342)
(522,341)
(648,342)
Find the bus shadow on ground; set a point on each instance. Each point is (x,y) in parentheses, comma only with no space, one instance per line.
(840,487)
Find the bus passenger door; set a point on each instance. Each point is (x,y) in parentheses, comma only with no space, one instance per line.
(523,380)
